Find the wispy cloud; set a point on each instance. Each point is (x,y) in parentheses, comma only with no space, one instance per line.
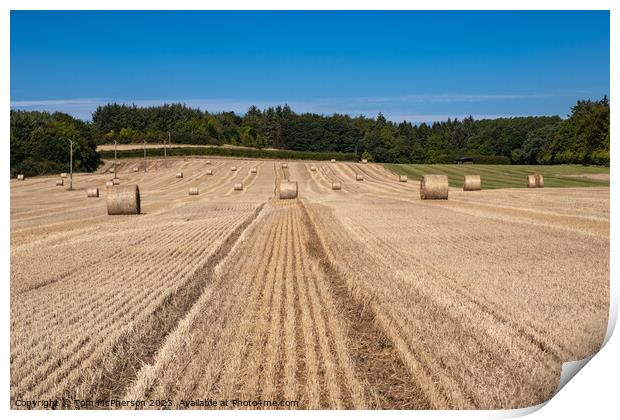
(56,102)
(446,97)
(410,107)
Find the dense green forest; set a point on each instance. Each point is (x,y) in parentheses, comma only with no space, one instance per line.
(40,143)
(583,137)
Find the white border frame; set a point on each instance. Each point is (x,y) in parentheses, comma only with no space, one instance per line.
(592,394)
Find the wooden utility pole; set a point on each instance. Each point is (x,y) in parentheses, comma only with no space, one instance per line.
(165,154)
(70,164)
(115,165)
(145,162)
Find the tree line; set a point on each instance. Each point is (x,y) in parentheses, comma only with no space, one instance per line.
(583,137)
(40,143)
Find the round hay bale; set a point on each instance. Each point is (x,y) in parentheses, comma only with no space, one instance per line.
(288,189)
(540,182)
(233,168)
(109,184)
(359,177)
(238,186)
(208,162)
(253,170)
(63,175)
(434,187)
(193,190)
(364,160)
(313,168)
(336,186)
(209,172)
(179,174)
(531,181)
(285,165)
(402,178)
(92,192)
(116,181)
(20,177)
(60,182)
(333,160)
(123,200)
(471,183)
(112,170)
(135,169)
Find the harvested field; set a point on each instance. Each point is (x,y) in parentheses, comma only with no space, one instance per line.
(361,297)
(512,176)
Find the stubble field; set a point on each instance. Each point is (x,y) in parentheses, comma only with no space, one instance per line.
(364,297)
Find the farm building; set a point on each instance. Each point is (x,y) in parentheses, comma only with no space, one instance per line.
(464,160)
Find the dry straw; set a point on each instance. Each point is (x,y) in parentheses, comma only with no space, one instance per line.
(116,181)
(434,187)
(285,165)
(288,189)
(63,175)
(333,160)
(359,177)
(179,174)
(540,182)
(364,160)
(313,168)
(336,185)
(92,192)
(208,162)
(531,181)
(112,170)
(20,177)
(402,178)
(135,169)
(123,200)
(233,168)
(193,190)
(471,183)
(253,171)
(209,172)
(60,182)
(109,184)
(238,186)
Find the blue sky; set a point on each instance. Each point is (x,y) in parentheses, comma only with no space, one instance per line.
(416,66)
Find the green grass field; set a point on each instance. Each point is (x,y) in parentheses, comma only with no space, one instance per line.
(507,176)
